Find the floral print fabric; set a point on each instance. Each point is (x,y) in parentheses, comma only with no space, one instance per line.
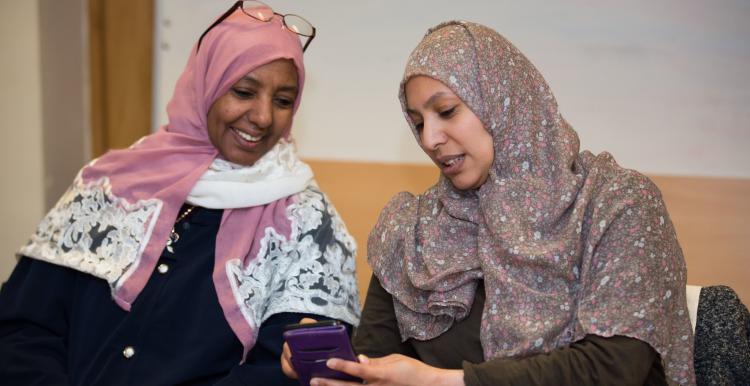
(567,243)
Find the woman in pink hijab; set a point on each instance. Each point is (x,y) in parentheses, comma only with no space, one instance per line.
(180,259)
(529,262)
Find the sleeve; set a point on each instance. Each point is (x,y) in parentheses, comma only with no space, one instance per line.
(313,271)
(594,360)
(378,334)
(263,366)
(34,304)
(722,338)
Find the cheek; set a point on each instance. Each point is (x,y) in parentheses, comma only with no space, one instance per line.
(218,116)
(489,151)
(229,114)
(485,149)
(283,121)
(213,126)
(489,156)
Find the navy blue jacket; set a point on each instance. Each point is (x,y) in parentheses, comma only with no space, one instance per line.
(59,326)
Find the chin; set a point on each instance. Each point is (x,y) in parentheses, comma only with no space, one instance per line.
(467,183)
(462,185)
(239,160)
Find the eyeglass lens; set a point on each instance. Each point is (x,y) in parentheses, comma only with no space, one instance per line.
(298,25)
(263,12)
(257,10)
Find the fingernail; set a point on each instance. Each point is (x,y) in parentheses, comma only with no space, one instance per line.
(314,382)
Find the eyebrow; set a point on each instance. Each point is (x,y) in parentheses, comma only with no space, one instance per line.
(429,101)
(257,83)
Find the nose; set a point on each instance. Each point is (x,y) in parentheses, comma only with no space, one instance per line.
(261,113)
(432,135)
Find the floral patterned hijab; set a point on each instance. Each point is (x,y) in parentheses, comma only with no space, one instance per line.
(567,243)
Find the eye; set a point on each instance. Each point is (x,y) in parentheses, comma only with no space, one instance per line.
(242,93)
(448,112)
(284,102)
(418,126)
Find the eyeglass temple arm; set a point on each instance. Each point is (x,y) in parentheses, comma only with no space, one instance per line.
(309,39)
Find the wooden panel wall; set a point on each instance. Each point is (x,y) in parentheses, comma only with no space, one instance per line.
(120,43)
(712,218)
(711,215)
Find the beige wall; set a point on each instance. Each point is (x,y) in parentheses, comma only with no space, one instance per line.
(22,193)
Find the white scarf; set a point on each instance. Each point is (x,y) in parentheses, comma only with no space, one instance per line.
(226,185)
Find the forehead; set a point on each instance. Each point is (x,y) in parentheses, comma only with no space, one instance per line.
(423,89)
(280,72)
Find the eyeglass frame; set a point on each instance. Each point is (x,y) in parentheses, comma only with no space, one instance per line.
(238,4)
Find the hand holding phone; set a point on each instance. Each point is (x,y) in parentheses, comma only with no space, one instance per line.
(313,344)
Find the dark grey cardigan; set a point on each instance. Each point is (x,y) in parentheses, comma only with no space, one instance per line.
(722,338)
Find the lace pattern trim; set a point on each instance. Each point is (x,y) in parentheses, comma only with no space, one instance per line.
(312,272)
(93,231)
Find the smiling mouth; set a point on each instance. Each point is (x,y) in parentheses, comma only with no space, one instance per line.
(451,165)
(247,137)
(452,161)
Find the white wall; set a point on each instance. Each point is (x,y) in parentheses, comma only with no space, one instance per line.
(22,193)
(661,85)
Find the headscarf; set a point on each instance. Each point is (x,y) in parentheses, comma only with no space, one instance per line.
(115,220)
(567,243)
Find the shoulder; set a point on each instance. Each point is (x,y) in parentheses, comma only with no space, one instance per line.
(404,205)
(614,182)
(398,213)
(395,224)
(313,214)
(311,198)
(403,201)
(312,271)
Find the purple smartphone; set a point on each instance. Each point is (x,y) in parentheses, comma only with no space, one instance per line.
(313,344)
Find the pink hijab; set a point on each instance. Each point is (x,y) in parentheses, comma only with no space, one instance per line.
(139,190)
(567,243)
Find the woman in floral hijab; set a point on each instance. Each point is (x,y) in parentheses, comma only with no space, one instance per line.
(528,262)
